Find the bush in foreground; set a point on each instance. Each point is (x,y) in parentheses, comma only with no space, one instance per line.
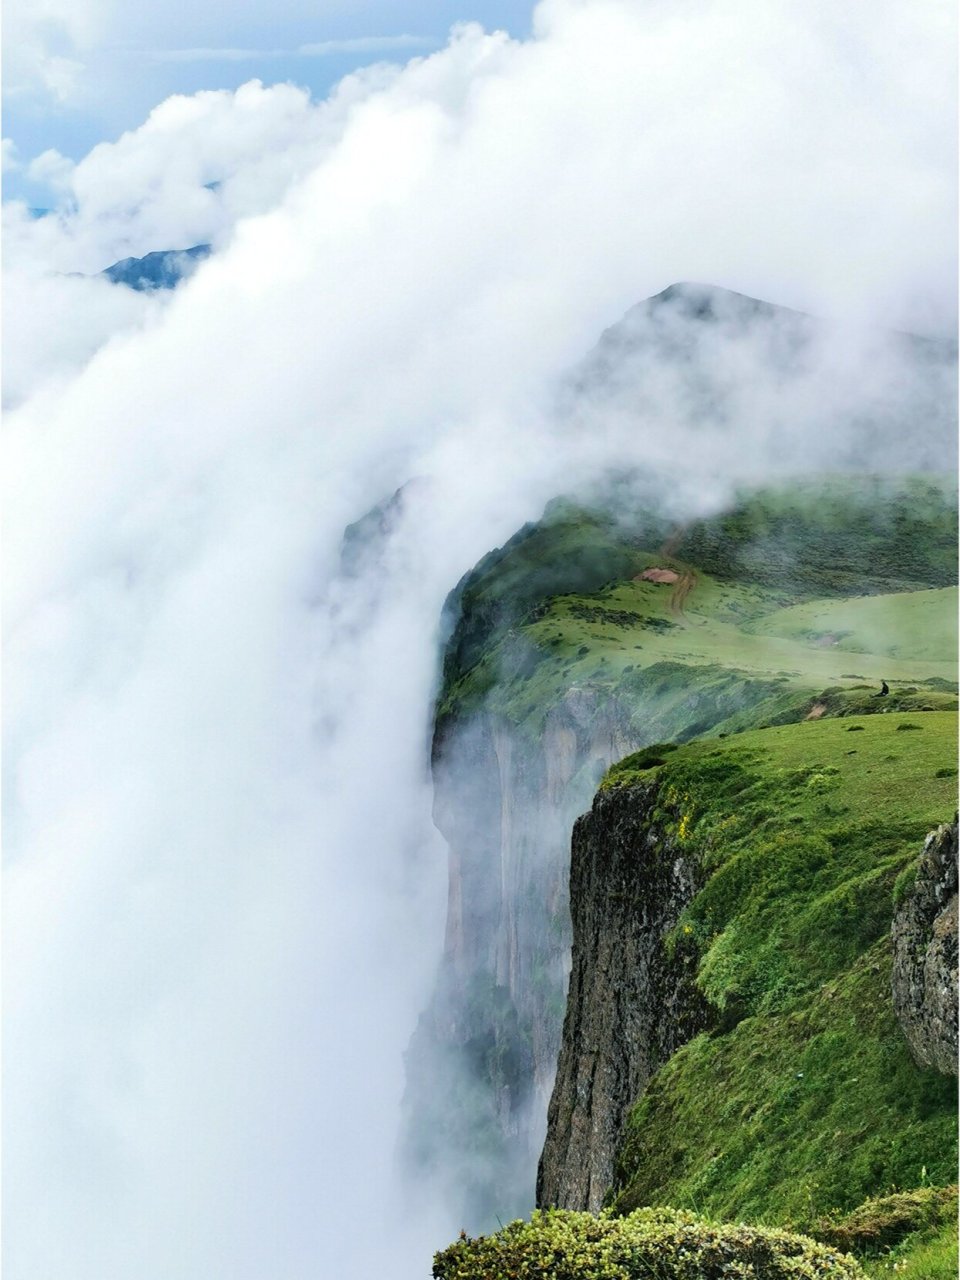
(649,1244)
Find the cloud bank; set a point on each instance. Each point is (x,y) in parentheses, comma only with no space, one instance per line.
(224,894)
(315,49)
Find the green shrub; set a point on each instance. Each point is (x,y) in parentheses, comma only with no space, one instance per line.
(650,1244)
(882,1223)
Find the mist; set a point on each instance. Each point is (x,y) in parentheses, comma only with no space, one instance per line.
(225,895)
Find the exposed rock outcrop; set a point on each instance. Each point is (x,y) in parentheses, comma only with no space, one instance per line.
(506,805)
(925,955)
(632,1000)
(505,802)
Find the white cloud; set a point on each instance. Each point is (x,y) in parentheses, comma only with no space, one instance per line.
(71,54)
(152,187)
(45,44)
(32,70)
(10,159)
(317,49)
(61,322)
(51,168)
(364,44)
(224,896)
(209,55)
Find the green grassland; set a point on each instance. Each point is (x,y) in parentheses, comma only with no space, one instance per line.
(563,606)
(834,535)
(622,638)
(803,1099)
(911,627)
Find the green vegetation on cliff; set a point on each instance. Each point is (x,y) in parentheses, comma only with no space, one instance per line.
(885,1223)
(804,1099)
(928,1256)
(829,587)
(834,536)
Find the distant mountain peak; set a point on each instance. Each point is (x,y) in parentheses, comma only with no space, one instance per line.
(697,301)
(162,269)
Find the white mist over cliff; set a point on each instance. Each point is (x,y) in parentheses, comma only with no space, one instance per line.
(224,893)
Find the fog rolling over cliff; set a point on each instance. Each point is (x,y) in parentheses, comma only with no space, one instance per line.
(227,786)
(744,383)
(225,893)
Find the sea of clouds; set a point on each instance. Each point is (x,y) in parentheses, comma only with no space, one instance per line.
(224,894)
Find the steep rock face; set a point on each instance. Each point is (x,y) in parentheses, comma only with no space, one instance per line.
(505,805)
(540,692)
(632,1001)
(925,955)
(505,802)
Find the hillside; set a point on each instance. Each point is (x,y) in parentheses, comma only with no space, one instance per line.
(564,658)
(780,589)
(805,834)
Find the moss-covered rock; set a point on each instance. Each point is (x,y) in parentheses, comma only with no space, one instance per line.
(925,952)
(881,1223)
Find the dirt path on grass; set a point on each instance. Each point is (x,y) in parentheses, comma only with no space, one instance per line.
(687,579)
(678,596)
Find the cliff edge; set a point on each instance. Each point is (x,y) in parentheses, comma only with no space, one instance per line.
(730,1039)
(632,1002)
(924,933)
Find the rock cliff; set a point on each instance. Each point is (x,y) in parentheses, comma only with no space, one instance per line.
(505,802)
(565,652)
(924,935)
(603,627)
(632,1001)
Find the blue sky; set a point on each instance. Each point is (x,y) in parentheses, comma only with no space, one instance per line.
(78,72)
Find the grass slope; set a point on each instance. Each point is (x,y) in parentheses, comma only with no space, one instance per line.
(834,536)
(918,626)
(625,641)
(804,1100)
(774,609)
(933,1257)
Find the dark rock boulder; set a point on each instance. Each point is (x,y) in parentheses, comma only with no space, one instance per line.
(925,955)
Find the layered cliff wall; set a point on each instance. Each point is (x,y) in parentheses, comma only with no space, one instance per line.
(505,805)
(482,1061)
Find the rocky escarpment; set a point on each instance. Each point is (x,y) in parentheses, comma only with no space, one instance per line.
(505,804)
(924,935)
(563,654)
(632,1001)
(482,1061)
